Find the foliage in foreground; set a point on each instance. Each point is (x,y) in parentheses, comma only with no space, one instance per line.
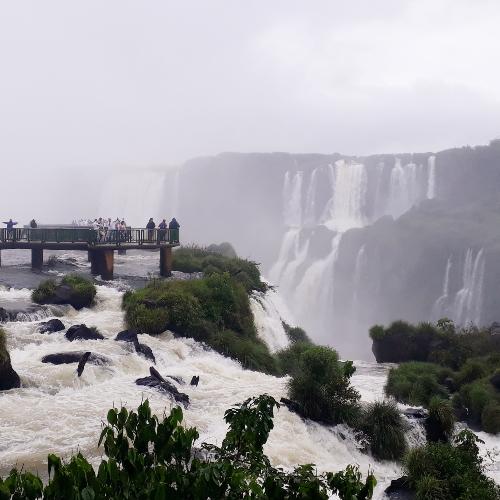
(444,471)
(73,289)
(149,458)
(385,428)
(214,309)
(322,388)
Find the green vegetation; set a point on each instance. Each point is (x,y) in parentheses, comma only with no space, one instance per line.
(296,334)
(288,358)
(463,364)
(218,259)
(415,383)
(321,387)
(148,458)
(440,423)
(384,428)
(444,471)
(73,289)
(214,309)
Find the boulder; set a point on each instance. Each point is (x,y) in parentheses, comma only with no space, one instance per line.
(127,336)
(51,326)
(82,332)
(65,358)
(156,381)
(399,489)
(82,363)
(195,380)
(4,315)
(415,413)
(145,351)
(9,379)
(291,405)
(495,380)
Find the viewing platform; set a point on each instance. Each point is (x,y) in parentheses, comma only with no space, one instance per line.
(99,245)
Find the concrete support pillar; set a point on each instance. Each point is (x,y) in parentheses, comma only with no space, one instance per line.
(37,258)
(0,258)
(102,262)
(165,261)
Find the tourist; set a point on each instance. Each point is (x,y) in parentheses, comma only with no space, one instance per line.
(10,229)
(174,230)
(162,230)
(33,224)
(150,226)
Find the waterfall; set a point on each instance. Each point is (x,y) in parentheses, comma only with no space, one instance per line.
(438,310)
(465,306)
(361,262)
(345,208)
(310,208)
(292,195)
(431,182)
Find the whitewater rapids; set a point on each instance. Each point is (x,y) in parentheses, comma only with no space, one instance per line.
(57,412)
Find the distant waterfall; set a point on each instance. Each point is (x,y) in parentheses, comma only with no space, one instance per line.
(333,198)
(465,305)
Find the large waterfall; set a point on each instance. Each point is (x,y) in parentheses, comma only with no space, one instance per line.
(323,203)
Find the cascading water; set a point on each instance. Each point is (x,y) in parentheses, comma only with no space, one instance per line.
(358,195)
(465,305)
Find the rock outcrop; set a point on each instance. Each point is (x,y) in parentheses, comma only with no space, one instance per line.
(51,326)
(158,382)
(9,379)
(66,358)
(82,332)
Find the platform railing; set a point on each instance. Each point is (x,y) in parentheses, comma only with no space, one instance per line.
(93,237)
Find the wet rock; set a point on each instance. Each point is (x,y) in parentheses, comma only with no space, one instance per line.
(156,381)
(66,358)
(51,326)
(145,351)
(179,380)
(4,315)
(415,413)
(195,380)
(127,336)
(291,405)
(82,362)
(399,489)
(82,332)
(9,379)
(495,380)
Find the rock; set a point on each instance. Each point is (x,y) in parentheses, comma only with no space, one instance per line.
(179,380)
(495,380)
(156,381)
(82,362)
(65,358)
(127,336)
(195,380)
(9,379)
(4,315)
(399,489)
(51,326)
(291,405)
(82,332)
(145,351)
(415,413)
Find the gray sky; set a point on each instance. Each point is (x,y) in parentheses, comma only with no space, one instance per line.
(116,82)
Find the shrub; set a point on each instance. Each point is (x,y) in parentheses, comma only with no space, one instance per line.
(471,370)
(416,382)
(447,471)
(44,291)
(215,310)
(384,428)
(288,358)
(74,290)
(321,386)
(440,423)
(296,334)
(490,418)
(146,457)
(473,398)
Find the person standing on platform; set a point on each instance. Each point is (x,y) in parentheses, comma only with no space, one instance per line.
(174,230)
(150,226)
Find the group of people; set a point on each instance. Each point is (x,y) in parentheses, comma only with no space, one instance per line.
(173,226)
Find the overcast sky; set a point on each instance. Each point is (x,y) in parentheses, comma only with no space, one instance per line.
(156,82)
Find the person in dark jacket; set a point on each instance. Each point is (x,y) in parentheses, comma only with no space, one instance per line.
(33,224)
(162,230)
(10,229)
(150,226)
(174,230)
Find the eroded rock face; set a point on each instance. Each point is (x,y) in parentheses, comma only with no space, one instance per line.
(82,332)
(158,382)
(399,489)
(9,379)
(4,315)
(145,351)
(51,326)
